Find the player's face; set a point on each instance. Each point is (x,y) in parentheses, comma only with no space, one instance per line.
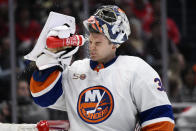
(101,50)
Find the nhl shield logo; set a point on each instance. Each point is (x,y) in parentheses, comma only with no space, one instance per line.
(95,104)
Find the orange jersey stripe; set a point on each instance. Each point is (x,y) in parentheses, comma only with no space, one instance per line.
(160,126)
(36,87)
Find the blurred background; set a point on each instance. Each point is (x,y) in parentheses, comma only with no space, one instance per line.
(163,34)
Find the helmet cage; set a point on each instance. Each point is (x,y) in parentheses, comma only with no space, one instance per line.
(106,14)
(111,21)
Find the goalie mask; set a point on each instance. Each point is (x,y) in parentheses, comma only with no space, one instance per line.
(112,21)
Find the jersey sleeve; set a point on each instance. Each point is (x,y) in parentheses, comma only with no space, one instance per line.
(149,95)
(46,88)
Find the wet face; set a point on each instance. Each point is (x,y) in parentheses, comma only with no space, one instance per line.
(101,50)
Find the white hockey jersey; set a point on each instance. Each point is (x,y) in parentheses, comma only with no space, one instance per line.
(110,97)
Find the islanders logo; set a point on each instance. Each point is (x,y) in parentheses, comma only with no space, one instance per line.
(95,104)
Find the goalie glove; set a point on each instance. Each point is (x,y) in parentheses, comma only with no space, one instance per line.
(60,48)
(61,36)
(50,59)
(61,32)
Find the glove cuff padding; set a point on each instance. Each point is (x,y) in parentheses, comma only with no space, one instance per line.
(49,59)
(45,61)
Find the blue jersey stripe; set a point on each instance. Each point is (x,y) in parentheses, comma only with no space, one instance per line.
(156,112)
(42,75)
(50,97)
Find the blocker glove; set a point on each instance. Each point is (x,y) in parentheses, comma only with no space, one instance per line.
(61,45)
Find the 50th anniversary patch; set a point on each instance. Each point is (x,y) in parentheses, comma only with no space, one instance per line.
(95,104)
